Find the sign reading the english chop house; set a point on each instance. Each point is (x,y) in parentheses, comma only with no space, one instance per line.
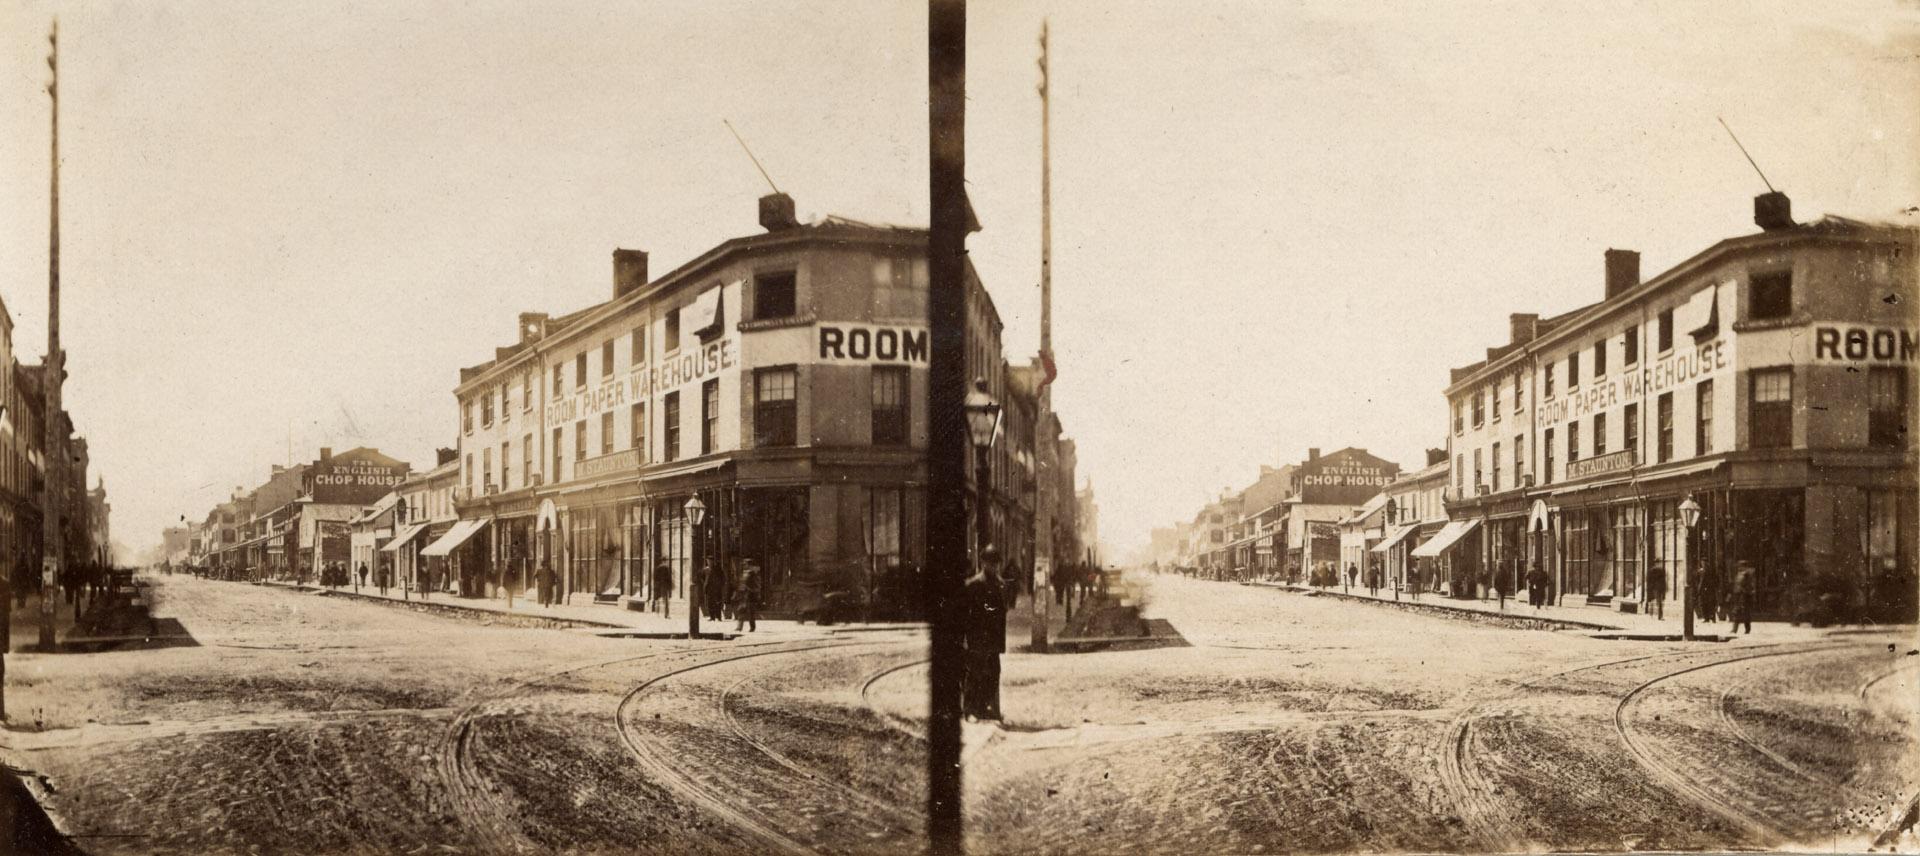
(1344,478)
(354,481)
(690,365)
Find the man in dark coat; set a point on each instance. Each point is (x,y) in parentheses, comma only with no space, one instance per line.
(985,601)
(1743,592)
(1536,586)
(663,589)
(1657,591)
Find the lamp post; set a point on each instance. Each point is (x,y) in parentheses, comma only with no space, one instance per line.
(696,514)
(1393,519)
(1690,515)
(983,425)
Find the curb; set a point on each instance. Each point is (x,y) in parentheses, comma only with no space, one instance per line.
(476,610)
(1421,604)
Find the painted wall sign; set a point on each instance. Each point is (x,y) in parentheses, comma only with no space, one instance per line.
(354,482)
(690,365)
(1612,462)
(1852,344)
(1681,366)
(1343,478)
(872,343)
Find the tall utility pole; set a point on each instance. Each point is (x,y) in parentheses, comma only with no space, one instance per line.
(948,442)
(55,370)
(1045,439)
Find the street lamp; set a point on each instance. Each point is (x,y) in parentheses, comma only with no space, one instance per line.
(983,423)
(1393,519)
(1690,515)
(696,515)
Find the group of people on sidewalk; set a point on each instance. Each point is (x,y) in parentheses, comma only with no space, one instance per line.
(742,604)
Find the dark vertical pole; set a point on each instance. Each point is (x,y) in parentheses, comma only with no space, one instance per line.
(947,440)
(693,582)
(55,476)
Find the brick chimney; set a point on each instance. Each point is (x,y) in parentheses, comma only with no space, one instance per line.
(776,212)
(1313,454)
(444,456)
(1623,271)
(629,271)
(533,326)
(1436,456)
(1773,211)
(326,453)
(1522,327)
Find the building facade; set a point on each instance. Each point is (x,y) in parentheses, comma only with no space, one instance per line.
(1769,378)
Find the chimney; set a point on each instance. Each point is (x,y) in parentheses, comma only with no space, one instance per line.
(1623,271)
(533,326)
(1522,327)
(629,271)
(326,453)
(776,212)
(1436,456)
(443,457)
(1313,454)
(1773,210)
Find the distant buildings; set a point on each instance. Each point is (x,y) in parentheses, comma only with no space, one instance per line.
(298,520)
(85,513)
(1287,523)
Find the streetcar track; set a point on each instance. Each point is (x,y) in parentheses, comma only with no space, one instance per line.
(896,722)
(1764,828)
(1866,688)
(650,757)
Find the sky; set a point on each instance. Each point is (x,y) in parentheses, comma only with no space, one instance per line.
(1276,225)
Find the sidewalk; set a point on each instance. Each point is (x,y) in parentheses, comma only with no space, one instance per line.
(1597,621)
(608,619)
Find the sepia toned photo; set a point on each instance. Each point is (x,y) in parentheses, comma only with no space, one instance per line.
(922,426)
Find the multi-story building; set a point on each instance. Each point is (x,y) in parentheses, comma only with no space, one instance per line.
(779,377)
(424,513)
(297,521)
(1415,512)
(1768,377)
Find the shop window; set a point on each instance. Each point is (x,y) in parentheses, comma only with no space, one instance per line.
(1663,333)
(606,359)
(889,406)
(670,427)
(637,429)
(1770,414)
(1630,431)
(555,475)
(1599,434)
(580,441)
(637,351)
(606,433)
(1663,428)
(670,340)
(1703,418)
(1887,406)
(1770,295)
(1573,442)
(773,295)
(1630,347)
(1546,457)
(709,416)
(775,409)
(1573,369)
(1600,358)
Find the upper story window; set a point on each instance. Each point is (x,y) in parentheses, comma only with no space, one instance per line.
(1887,406)
(889,406)
(1770,408)
(1479,408)
(606,359)
(580,370)
(773,295)
(1663,334)
(526,391)
(1599,434)
(486,408)
(638,429)
(606,433)
(670,340)
(1546,380)
(1600,358)
(1573,369)
(1630,431)
(670,427)
(557,386)
(1770,295)
(554,476)
(1573,441)
(580,441)
(466,416)
(1546,461)
(709,416)
(637,352)
(775,407)
(1459,421)
(1630,347)
(1703,418)
(1663,428)
(506,412)
(1518,378)
(1493,389)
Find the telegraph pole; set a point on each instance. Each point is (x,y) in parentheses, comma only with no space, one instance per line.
(55,370)
(948,443)
(1046,439)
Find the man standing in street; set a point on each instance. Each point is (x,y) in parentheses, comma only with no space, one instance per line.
(1743,597)
(663,589)
(1536,586)
(986,612)
(1657,591)
(746,594)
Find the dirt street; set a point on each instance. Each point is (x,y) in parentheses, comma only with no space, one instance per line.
(303,723)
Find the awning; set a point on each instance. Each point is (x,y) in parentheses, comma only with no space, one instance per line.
(1399,534)
(454,538)
(687,470)
(1449,535)
(405,535)
(1641,478)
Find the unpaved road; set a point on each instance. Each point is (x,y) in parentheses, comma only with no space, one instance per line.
(306,724)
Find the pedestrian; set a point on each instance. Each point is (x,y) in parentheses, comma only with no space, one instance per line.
(383,578)
(663,589)
(746,595)
(714,589)
(1706,592)
(1536,586)
(363,577)
(1657,591)
(986,638)
(1373,578)
(1743,586)
(1353,576)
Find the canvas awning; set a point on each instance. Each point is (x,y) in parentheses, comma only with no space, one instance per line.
(456,536)
(1448,536)
(407,534)
(1399,534)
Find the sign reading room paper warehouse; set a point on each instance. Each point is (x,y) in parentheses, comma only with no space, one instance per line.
(871,343)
